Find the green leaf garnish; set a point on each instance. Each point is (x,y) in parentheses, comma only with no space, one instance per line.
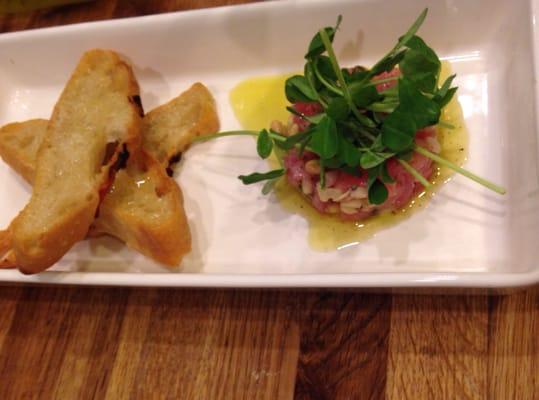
(325,68)
(325,140)
(269,185)
(364,95)
(338,109)
(297,88)
(421,65)
(258,176)
(264,144)
(398,131)
(360,128)
(293,140)
(403,40)
(384,174)
(377,192)
(348,153)
(371,159)
(316,47)
(422,110)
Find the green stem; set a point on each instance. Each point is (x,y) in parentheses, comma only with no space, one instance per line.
(326,83)
(403,40)
(446,125)
(462,171)
(385,80)
(279,154)
(322,174)
(273,135)
(415,174)
(337,69)
(357,128)
(201,139)
(313,119)
(382,107)
(369,135)
(309,77)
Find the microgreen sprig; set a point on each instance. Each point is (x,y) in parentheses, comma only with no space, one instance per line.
(360,128)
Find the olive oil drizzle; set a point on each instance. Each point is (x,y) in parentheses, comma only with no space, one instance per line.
(258,101)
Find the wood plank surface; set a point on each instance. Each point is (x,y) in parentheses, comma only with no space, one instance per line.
(94,343)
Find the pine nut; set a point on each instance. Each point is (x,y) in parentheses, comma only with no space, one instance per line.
(312,167)
(359,193)
(328,193)
(347,210)
(277,126)
(343,196)
(307,185)
(293,129)
(352,204)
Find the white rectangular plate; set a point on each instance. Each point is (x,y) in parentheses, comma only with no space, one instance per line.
(467,237)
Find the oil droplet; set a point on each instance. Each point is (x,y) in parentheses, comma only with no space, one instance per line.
(258,101)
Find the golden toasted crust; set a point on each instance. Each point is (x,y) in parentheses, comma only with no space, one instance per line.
(94,119)
(183,118)
(170,128)
(144,208)
(19,143)
(7,256)
(165,237)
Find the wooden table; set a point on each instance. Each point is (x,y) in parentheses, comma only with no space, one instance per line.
(72,343)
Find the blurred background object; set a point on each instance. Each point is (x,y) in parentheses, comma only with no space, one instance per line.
(16,6)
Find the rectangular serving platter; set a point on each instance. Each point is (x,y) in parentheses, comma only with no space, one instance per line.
(467,237)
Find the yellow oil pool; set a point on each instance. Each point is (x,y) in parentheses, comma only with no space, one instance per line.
(258,101)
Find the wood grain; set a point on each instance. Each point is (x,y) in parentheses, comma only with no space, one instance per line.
(513,353)
(344,346)
(438,347)
(197,344)
(92,343)
(101,10)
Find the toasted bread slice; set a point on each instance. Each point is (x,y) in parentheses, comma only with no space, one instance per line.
(19,143)
(167,131)
(170,128)
(7,256)
(144,208)
(123,213)
(95,119)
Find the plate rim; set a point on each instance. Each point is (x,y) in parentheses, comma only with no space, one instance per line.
(467,280)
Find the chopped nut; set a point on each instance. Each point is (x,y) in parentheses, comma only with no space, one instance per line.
(312,167)
(277,126)
(359,193)
(307,185)
(328,193)
(343,196)
(352,204)
(347,210)
(293,129)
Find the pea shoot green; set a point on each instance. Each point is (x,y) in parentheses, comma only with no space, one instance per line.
(359,127)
